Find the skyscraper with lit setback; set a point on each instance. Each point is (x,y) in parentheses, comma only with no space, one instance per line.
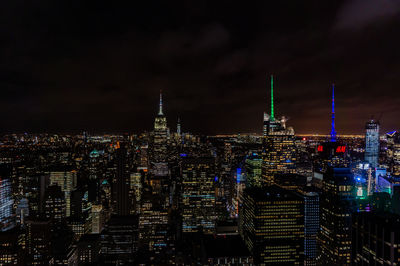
(160,137)
(279,150)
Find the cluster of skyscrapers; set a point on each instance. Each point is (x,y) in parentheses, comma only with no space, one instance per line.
(169,197)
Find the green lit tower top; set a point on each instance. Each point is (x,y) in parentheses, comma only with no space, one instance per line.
(272,118)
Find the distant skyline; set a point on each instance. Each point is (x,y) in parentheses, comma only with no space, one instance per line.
(68,66)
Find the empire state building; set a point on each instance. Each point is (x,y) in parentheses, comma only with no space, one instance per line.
(160,135)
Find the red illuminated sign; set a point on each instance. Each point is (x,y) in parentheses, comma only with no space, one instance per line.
(340,149)
(320,148)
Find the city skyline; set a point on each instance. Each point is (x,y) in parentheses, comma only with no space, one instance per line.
(100,67)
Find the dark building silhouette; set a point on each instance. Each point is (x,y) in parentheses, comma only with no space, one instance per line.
(122,204)
(375,239)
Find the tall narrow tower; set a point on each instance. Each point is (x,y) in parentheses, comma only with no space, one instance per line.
(160,111)
(178,127)
(272,99)
(333,131)
(160,135)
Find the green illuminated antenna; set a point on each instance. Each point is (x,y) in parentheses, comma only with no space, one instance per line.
(272,98)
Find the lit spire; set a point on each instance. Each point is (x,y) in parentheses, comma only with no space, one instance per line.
(333,131)
(160,112)
(272,99)
(178,126)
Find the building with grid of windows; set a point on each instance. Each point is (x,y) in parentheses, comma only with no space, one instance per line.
(272,225)
(337,206)
(6,204)
(198,194)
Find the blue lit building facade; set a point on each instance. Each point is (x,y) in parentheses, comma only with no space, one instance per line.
(372,143)
(6,204)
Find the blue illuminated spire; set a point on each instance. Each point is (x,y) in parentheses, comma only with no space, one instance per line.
(160,111)
(333,131)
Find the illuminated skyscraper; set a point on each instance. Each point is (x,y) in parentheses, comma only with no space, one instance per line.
(55,206)
(279,150)
(272,225)
(372,143)
(393,151)
(67,181)
(38,241)
(178,127)
(6,204)
(198,194)
(337,198)
(160,135)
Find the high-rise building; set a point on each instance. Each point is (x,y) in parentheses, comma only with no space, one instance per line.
(376,239)
(298,183)
(38,241)
(122,204)
(253,165)
(11,252)
(311,227)
(393,152)
(135,191)
(34,190)
(153,222)
(372,143)
(80,220)
(67,180)
(198,194)
(279,149)
(336,207)
(98,218)
(6,204)
(272,225)
(160,137)
(88,249)
(54,205)
(178,127)
(120,240)
(332,153)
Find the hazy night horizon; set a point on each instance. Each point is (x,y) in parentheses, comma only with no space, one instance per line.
(72,66)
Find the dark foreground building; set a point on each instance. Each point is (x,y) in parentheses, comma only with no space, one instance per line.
(375,239)
(272,225)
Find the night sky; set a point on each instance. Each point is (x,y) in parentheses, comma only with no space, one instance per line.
(99,65)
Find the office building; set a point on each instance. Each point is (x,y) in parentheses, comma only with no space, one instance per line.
(67,181)
(336,207)
(278,148)
(375,238)
(198,195)
(120,189)
(119,240)
(6,205)
(54,205)
(88,249)
(38,241)
(272,225)
(372,143)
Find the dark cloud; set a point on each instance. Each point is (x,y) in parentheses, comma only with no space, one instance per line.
(356,14)
(73,65)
